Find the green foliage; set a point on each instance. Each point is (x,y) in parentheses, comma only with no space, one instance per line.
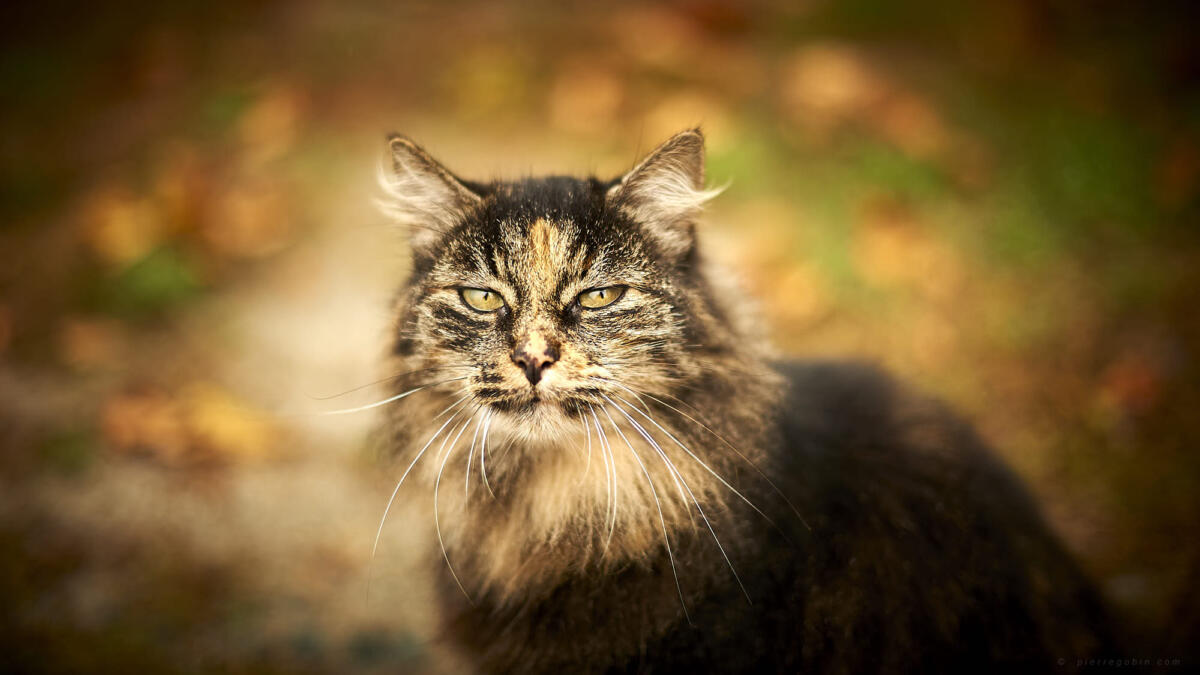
(161,280)
(69,452)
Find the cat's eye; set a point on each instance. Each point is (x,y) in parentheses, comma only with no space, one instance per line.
(600,297)
(481,299)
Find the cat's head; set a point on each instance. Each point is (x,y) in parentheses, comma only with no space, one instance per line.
(550,295)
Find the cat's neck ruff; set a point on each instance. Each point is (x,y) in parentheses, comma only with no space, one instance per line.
(532,504)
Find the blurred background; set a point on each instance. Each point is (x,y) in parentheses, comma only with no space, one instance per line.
(997,200)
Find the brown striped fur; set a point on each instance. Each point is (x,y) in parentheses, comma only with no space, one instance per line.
(654,493)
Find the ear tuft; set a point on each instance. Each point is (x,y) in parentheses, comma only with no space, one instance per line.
(421,193)
(665,191)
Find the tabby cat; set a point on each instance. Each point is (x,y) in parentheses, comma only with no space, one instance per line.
(624,481)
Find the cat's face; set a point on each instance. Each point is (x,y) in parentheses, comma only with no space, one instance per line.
(550,296)
(548,313)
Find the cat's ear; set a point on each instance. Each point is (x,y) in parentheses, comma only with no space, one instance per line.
(665,191)
(422,194)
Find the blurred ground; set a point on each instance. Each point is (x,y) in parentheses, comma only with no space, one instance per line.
(997,200)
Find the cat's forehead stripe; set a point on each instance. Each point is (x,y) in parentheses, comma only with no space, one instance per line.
(546,253)
(537,257)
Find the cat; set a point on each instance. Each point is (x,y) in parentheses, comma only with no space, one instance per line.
(624,479)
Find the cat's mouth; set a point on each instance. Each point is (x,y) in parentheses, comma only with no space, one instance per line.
(544,404)
(518,406)
(528,405)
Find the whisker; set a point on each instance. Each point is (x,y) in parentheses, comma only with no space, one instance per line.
(470,456)
(610,480)
(661,519)
(744,458)
(392,499)
(675,476)
(447,408)
(397,397)
(483,453)
(385,379)
(588,430)
(671,467)
(702,463)
(436,484)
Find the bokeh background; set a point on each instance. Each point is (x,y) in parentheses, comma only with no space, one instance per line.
(997,200)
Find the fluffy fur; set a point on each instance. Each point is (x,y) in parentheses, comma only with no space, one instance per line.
(656,494)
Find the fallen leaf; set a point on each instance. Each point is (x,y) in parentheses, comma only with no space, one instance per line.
(269,127)
(585,98)
(202,424)
(249,220)
(892,249)
(911,124)
(89,343)
(146,423)
(657,36)
(220,425)
(825,85)
(182,188)
(121,227)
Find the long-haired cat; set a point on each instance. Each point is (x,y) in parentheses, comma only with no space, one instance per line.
(624,482)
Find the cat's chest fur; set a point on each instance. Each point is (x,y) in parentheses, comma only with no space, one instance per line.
(613,490)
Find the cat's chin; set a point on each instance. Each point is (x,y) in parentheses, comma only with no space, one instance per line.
(537,420)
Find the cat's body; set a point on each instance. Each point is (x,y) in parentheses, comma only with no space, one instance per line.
(624,482)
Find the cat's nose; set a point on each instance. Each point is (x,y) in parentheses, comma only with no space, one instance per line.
(533,354)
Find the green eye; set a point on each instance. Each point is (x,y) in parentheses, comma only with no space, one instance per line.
(601,297)
(481,300)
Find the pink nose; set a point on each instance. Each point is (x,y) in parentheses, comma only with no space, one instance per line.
(533,355)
